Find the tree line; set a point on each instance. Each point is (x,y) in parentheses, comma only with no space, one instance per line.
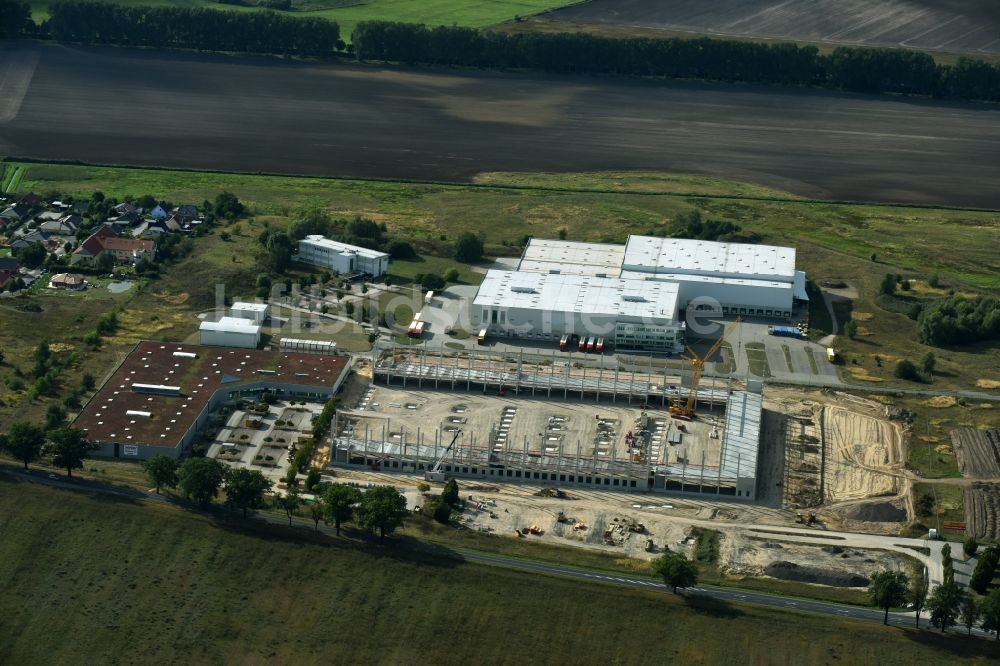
(381,509)
(849,68)
(856,69)
(263,31)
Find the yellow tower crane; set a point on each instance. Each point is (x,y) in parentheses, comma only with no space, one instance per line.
(697,365)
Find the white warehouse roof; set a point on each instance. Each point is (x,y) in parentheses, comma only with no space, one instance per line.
(249,307)
(578,293)
(679,255)
(231,325)
(689,277)
(572,258)
(337,246)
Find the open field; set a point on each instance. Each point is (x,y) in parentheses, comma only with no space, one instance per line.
(260,114)
(214,595)
(978,452)
(834,241)
(982,511)
(971,27)
(349,13)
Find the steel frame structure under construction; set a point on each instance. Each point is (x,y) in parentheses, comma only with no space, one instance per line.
(491,459)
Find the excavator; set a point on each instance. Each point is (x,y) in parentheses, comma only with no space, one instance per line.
(686,410)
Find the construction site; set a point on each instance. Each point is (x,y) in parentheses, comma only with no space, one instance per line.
(525,439)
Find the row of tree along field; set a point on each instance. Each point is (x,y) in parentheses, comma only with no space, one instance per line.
(894,71)
(192,28)
(846,68)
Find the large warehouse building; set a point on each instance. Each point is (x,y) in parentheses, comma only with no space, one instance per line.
(163,395)
(751,280)
(631,314)
(342,257)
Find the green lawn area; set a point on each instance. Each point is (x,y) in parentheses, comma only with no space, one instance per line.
(405,271)
(121,581)
(348,13)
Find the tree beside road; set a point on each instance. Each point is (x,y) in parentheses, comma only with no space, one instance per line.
(246,489)
(888,590)
(339,501)
(25,441)
(69,448)
(676,570)
(162,471)
(199,479)
(383,510)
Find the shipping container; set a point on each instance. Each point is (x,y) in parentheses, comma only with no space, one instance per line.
(784,331)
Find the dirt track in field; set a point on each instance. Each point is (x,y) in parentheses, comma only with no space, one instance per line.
(144,108)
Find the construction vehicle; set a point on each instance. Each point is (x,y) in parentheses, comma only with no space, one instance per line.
(435,474)
(686,411)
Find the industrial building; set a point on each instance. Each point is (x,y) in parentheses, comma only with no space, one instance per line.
(631,314)
(748,280)
(163,395)
(342,257)
(534,422)
(230,332)
(255,312)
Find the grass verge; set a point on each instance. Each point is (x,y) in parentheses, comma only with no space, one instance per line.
(71,587)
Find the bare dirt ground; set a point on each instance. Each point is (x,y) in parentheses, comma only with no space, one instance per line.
(982,508)
(268,115)
(840,454)
(971,27)
(978,452)
(599,520)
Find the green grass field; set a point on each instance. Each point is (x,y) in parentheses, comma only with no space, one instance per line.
(104,580)
(348,13)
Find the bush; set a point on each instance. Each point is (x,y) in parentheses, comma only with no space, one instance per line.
(399,249)
(959,321)
(430,281)
(970,546)
(905,369)
(442,512)
(313,478)
(423,487)
(469,248)
(925,505)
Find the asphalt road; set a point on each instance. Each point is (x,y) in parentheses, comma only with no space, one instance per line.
(957,26)
(728,595)
(119,106)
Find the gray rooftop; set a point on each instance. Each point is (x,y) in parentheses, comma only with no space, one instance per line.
(679,255)
(616,297)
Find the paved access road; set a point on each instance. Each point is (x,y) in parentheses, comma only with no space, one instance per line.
(120,106)
(733,595)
